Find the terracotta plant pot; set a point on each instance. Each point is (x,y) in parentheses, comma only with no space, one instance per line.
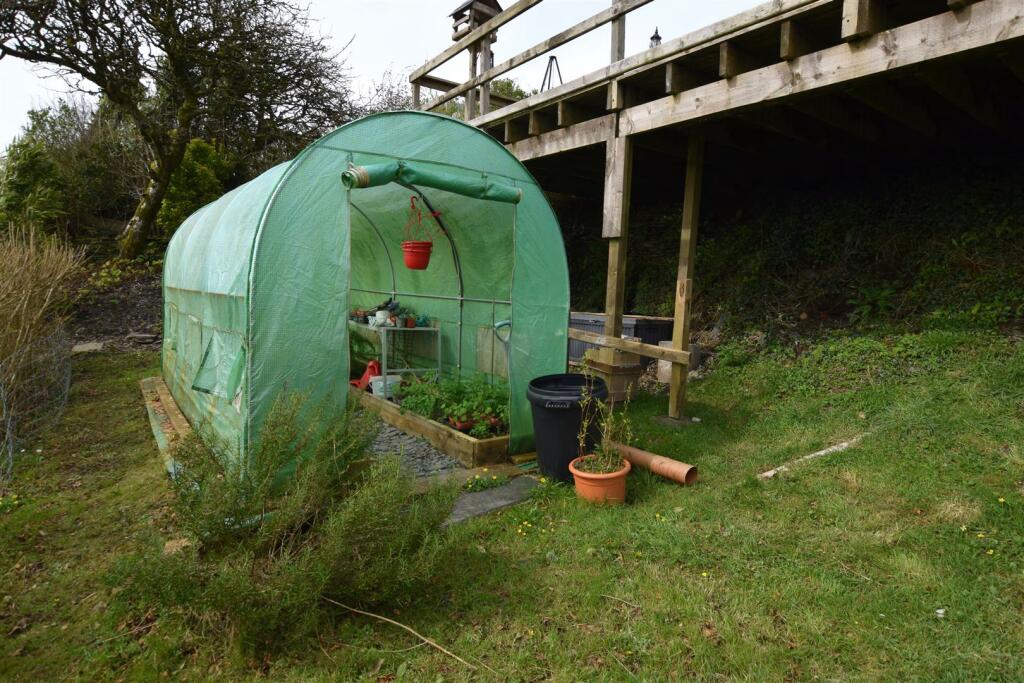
(410,322)
(600,488)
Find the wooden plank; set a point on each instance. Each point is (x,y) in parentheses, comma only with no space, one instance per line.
(617,189)
(861,18)
(793,42)
(618,96)
(612,14)
(615,287)
(732,60)
(992,22)
(443,84)
(486,58)
(464,448)
(655,57)
(684,273)
(618,179)
(618,43)
(486,28)
(678,78)
(593,132)
(639,348)
(170,407)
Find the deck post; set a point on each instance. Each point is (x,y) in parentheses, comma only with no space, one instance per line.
(617,185)
(474,58)
(684,276)
(618,37)
(415,95)
(486,62)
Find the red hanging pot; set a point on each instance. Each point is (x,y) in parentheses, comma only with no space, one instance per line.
(417,254)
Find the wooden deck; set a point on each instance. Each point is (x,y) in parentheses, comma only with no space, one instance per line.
(786,83)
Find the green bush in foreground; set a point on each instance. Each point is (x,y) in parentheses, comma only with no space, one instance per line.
(266,559)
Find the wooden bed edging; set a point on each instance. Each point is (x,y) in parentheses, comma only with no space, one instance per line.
(464,448)
(165,418)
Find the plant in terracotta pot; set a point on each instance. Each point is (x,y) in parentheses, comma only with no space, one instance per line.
(600,476)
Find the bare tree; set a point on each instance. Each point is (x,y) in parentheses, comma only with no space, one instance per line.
(172,65)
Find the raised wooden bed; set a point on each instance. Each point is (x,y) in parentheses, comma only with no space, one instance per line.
(464,448)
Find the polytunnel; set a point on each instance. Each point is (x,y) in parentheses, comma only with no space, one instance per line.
(258,285)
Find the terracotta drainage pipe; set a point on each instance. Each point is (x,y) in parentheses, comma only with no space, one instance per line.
(664,467)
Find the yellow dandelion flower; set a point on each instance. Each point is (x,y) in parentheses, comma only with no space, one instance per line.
(990,552)
(1002,500)
(493,476)
(981,535)
(485,469)
(704,574)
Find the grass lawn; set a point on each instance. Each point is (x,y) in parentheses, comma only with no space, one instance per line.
(899,559)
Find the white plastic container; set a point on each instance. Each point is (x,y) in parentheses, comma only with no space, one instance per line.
(377,385)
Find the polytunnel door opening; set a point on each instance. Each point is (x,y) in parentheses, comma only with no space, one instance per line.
(435,342)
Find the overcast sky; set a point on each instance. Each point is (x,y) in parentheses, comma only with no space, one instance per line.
(400,35)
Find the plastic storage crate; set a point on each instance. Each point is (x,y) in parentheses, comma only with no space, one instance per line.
(649,329)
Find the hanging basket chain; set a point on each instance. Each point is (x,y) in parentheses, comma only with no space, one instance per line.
(414,228)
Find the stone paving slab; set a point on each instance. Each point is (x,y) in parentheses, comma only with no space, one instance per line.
(477,503)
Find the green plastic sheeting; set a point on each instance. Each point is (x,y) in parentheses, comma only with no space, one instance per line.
(412,174)
(259,284)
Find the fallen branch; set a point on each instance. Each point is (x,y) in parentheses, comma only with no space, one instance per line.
(624,602)
(426,640)
(839,447)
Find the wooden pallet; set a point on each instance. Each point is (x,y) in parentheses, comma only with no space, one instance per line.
(165,418)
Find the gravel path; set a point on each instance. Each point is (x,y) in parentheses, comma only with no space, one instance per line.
(418,456)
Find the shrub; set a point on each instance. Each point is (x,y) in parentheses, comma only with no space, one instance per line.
(31,188)
(199,180)
(36,272)
(268,551)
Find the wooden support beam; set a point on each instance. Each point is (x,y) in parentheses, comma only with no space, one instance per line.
(793,41)
(956,87)
(474,57)
(486,28)
(639,348)
(618,51)
(834,114)
(992,23)
(615,13)
(593,132)
(542,121)
(743,23)
(415,95)
(619,96)
(778,123)
(1014,61)
(444,85)
(617,189)
(516,130)
(889,101)
(684,273)
(861,18)
(679,78)
(732,60)
(485,64)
